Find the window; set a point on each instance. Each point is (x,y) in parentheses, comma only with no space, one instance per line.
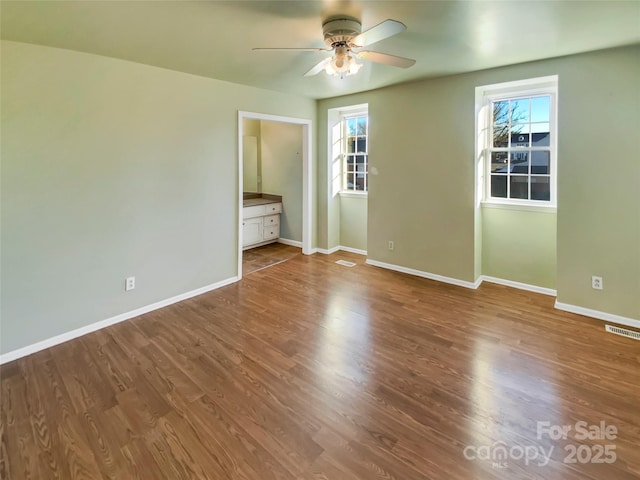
(355,157)
(518,141)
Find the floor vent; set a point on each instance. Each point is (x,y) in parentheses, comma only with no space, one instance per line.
(623,331)
(344,263)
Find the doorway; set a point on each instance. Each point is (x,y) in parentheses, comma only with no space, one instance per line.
(305,179)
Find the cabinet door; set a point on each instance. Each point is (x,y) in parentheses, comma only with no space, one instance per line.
(271,220)
(251,231)
(272,208)
(271,232)
(255,211)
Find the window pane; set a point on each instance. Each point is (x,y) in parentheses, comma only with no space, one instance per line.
(520,162)
(500,136)
(500,124)
(540,136)
(499,162)
(540,162)
(355,152)
(520,135)
(520,110)
(540,188)
(362,125)
(501,112)
(350,181)
(351,127)
(540,108)
(519,187)
(499,186)
(520,147)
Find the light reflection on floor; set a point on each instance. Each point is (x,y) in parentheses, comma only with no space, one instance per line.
(498,380)
(343,351)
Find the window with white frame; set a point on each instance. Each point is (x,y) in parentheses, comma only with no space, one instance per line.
(355,152)
(519,142)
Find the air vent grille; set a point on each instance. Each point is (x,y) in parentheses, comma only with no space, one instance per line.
(344,263)
(623,331)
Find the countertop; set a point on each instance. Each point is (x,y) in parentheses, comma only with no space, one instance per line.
(251,199)
(250,202)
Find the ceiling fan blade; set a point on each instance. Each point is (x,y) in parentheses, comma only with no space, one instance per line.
(293,49)
(318,67)
(385,58)
(381,31)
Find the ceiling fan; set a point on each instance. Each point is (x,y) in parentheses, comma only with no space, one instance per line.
(345,37)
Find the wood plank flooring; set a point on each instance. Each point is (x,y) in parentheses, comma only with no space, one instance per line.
(311,370)
(255,259)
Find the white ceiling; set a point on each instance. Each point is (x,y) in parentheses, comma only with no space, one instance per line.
(214,39)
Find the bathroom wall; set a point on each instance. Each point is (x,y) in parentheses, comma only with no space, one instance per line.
(281,168)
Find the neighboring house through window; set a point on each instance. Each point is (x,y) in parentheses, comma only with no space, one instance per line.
(517,141)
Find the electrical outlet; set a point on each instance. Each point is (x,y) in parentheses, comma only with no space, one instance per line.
(391,245)
(130,283)
(596,283)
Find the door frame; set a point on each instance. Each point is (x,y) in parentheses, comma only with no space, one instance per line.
(306,176)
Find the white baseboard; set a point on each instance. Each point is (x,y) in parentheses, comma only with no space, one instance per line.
(607,317)
(330,251)
(78,332)
(324,251)
(293,243)
(519,285)
(430,276)
(353,250)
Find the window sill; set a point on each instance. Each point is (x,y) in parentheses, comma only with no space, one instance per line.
(353,194)
(521,207)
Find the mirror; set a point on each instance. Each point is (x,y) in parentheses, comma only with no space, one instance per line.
(250,173)
(251,156)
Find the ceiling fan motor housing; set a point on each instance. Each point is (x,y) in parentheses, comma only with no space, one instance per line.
(340,31)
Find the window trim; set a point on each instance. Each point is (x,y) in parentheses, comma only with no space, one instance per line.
(522,208)
(485,96)
(353,193)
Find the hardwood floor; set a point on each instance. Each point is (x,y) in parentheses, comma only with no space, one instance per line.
(255,259)
(311,370)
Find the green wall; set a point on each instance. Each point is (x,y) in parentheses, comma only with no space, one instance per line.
(281,158)
(353,222)
(599,181)
(519,245)
(112,169)
(415,146)
(422,143)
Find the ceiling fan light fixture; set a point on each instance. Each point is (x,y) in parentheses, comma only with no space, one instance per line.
(329,69)
(341,66)
(354,67)
(342,34)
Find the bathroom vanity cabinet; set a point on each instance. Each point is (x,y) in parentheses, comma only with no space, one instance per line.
(260,222)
